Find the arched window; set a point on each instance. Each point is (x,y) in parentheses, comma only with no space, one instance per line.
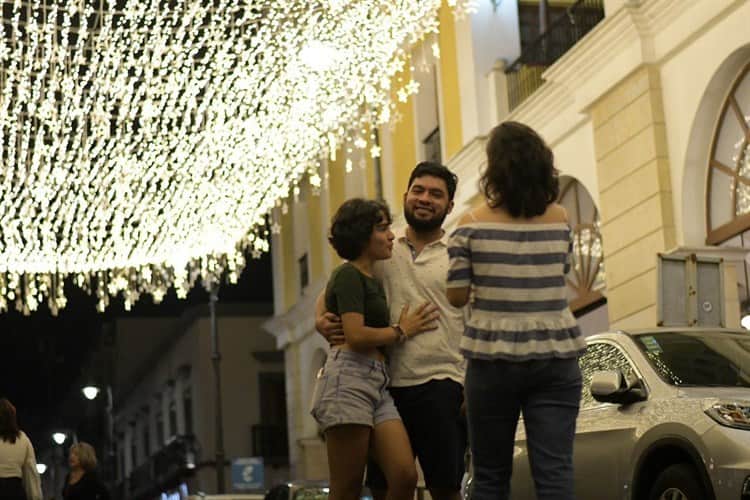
(728,193)
(586,277)
(728,200)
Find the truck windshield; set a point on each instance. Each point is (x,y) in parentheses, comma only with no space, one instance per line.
(711,359)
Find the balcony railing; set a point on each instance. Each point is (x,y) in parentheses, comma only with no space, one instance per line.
(525,73)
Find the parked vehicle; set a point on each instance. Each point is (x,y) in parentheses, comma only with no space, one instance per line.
(305,490)
(665,415)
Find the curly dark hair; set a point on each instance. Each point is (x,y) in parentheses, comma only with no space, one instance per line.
(520,175)
(434,169)
(353,223)
(9,430)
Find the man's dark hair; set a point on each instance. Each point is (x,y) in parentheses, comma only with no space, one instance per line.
(9,430)
(353,223)
(435,170)
(520,175)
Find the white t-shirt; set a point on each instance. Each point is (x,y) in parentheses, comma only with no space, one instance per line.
(13,456)
(431,355)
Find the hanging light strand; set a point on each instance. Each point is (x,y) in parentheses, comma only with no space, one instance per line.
(144,142)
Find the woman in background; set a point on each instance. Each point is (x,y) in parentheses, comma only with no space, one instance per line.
(83,483)
(17,459)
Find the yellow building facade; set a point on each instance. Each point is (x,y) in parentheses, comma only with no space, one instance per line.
(648,117)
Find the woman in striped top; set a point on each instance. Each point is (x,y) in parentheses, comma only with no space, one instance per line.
(510,256)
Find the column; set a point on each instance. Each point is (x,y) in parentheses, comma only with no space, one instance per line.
(179,389)
(166,398)
(157,426)
(127,450)
(635,194)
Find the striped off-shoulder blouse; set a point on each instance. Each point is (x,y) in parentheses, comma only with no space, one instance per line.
(519,309)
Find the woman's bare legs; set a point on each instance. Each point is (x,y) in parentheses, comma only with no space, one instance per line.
(347,455)
(392,451)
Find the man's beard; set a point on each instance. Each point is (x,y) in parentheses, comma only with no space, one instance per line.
(423,225)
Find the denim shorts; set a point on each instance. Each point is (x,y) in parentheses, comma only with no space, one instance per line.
(352,389)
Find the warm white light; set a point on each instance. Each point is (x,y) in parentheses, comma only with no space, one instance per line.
(145,147)
(41,468)
(743,193)
(59,437)
(90,392)
(745,322)
(319,56)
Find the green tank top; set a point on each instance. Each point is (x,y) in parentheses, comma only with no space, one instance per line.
(349,290)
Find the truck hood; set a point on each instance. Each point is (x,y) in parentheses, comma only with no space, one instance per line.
(721,393)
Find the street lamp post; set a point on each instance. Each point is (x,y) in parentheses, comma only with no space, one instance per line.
(110,431)
(216,359)
(91,392)
(58,455)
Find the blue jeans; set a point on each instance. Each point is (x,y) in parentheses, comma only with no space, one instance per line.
(548,392)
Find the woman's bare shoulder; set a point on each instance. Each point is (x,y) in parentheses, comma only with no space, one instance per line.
(486,213)
(555,213)
(466,218)
(475,213)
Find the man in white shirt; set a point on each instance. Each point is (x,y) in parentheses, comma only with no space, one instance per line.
(427,370)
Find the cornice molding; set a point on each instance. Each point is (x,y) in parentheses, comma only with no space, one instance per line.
(543,110)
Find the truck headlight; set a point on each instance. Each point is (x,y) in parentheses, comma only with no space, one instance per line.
(735,415)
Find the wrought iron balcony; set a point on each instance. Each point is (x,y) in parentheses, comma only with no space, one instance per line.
(525,73)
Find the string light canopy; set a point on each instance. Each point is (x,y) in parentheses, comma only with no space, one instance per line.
(145,142)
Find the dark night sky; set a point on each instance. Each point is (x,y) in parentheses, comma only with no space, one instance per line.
(41,356)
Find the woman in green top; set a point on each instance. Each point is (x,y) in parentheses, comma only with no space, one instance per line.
(351,401)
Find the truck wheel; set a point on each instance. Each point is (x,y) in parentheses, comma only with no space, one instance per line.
(677,482)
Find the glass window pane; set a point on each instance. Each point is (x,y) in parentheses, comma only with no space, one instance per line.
(730,139)
(432,147)
(721,198)
(743,190)
(425,75)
